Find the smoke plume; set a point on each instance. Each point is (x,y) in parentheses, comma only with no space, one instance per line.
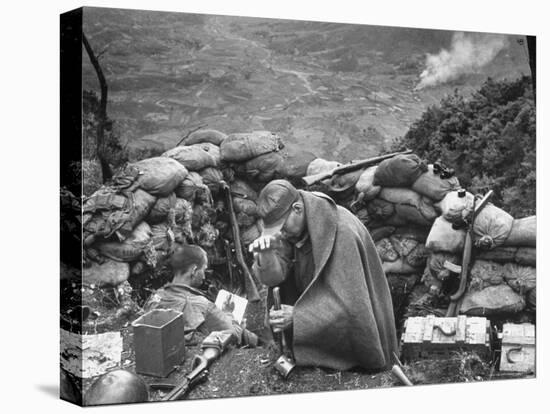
(467,54)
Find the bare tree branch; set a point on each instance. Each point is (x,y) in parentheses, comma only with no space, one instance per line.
(102,113)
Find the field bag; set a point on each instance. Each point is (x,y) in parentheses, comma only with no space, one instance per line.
(245,146)
(520,278)
(158,176)
(108,273)
(443,238)
(386,250)
(201,136)
(523,232)
(433,186)
(431,282)
(399,171)
(130,249)
(108,212)
(492,300)
(195,157)
(365,184)
(491,227)
(454,208)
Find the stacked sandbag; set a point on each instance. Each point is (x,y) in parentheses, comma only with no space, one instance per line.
(401,254)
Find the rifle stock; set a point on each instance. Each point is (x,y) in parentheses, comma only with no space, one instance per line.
(252,293)
(315,178)
(466,257)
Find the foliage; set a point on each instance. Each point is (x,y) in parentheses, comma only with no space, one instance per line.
(489,139)
(115,153)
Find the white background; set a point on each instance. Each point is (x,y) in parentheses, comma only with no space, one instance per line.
(29,94)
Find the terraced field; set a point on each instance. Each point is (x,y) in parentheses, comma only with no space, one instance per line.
(343,91)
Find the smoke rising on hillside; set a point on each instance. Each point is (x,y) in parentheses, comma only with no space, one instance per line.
(467,54)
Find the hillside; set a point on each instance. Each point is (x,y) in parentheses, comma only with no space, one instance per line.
(343,91)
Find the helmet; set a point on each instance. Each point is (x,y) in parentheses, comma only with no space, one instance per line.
(117,387)
(68,390)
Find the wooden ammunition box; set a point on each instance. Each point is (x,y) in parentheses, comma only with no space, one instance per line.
(518,348)
(437,338)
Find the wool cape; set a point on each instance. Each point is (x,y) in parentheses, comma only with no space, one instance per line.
(344,318)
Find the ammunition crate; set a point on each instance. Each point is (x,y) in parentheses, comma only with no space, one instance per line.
(518,348)
(431,337)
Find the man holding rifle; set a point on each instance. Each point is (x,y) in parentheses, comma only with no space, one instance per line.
(336,305)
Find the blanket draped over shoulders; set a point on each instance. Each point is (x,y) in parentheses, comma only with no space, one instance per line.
(344,318)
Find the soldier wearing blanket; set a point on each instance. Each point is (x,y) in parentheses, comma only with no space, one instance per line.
(337,310)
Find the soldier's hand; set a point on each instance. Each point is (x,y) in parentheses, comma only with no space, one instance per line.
(261,243)
(281,320)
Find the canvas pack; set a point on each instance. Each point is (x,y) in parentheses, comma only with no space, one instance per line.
(255,206)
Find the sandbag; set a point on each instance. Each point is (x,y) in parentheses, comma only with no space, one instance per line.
(130,249)
(108,212)
(108,273)
(436,264)
(245,146)
(162,237)
(380,209)
(365,184)
(526,256)
(212,177)
(201,136)
(418,233)
(399,171)
(520,278)
(342,182)
(243,205)
(418,255)
(159,176)
(191,187)
(241,189)
(180,209)
(500,254)
(492,300)
(262,168)
(531,298)
(248,235)
(320,165)
(399,266)
(491,227)
(443,238)
(386,251)
(410,206)
(195,157)
(433,186)
(403,246)
(523,232)
(485,273)
(364,216)
(245,220)
(295,163)
(381,232)
(455,208)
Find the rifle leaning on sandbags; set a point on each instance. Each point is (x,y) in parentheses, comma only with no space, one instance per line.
(249,283)
(466,257)
(212,347)
(346,168)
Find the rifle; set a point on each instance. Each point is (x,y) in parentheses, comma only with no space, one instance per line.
(249,283)
(466,257)
(352,166)
(212,347)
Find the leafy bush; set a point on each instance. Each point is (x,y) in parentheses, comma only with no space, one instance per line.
(489,139)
